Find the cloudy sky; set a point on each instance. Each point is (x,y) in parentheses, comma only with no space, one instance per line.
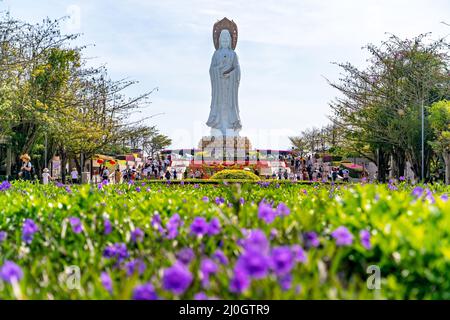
(285,50)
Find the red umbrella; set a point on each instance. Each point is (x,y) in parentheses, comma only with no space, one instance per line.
(99,161)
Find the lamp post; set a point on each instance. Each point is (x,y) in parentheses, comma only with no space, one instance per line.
(423,143)
(45,151)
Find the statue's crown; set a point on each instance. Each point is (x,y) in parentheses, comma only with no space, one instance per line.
(231,26)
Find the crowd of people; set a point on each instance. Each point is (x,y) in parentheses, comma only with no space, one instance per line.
(309,169)
(159,168)
(153,168)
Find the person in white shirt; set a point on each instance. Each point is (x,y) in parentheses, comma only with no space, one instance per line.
(46,176)
(74,175)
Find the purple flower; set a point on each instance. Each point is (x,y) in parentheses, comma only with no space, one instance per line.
(214,227)
(196,186)
(185,255)
(241,200)
(156,223)
(106,281)
(136,265)
(29,228)
(364,235)
(444,197)
(10,272)
(256,241)
(207,267)
(200,296)
(68,190)
(285,282)
(205,199)
(137,235)
(402,178)
(282,260)
(273,233)
(100,186)
(342,236)
(59,184)
(144,292)
(266,212)
(107,226)
(3,236)
(299,253)
(392,186)
(177,278)
(5,185)
(417,192)
(311,239)
(138,189)
(219,200)
(263,184)
(253,263)
(429,196)
(221,257)
(199,226)
(117,250)
(172,226)
(75,222)
(283,209)
(240,282)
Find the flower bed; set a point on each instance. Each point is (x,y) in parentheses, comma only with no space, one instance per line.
(258,241)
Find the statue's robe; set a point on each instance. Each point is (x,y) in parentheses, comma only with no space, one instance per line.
(224,114)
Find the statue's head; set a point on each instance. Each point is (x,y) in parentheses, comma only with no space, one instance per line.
(225,39)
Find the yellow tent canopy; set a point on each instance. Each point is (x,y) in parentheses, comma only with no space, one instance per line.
(102,156)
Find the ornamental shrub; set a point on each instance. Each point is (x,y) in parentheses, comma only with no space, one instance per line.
(234,175)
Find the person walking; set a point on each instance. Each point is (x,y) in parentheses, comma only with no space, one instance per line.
(345,174)
(74,175)
(117,176)
(174,174)
(46,176)
(27,167)
(105,174)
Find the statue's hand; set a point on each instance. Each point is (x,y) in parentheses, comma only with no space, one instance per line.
(227,72)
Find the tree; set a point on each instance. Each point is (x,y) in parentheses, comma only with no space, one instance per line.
(325,139)
(440,123)
(299,144)
(47,94)
(380,107)
(156,143)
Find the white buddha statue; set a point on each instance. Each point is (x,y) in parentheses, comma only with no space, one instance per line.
(225,75)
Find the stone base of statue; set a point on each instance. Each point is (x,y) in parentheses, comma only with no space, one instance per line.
(225,148)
